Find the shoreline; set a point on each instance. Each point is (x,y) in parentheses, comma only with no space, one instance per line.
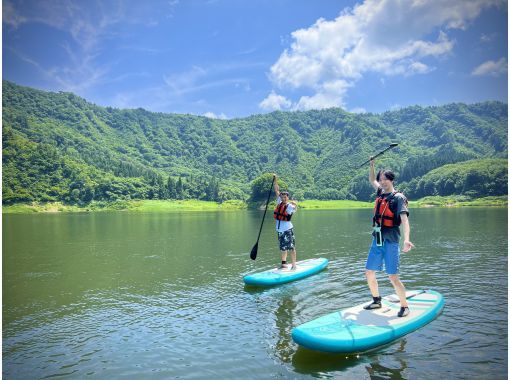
(236,205)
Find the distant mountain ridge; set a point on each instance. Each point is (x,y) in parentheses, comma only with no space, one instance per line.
(59,147)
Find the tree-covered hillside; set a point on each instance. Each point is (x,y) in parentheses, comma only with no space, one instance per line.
(475,178)
(59,147)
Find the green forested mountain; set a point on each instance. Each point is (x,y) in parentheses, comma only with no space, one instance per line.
(476,178)
(59,147)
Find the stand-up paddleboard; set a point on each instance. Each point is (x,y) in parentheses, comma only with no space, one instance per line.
(356,329)
(277,276)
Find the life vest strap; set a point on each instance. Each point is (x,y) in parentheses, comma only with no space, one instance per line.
(380,217)
(280,212)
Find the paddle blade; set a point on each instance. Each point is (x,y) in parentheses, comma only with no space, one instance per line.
(253,253)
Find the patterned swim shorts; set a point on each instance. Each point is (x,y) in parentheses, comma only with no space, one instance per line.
(287,240)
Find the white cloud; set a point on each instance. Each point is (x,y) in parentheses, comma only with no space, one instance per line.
(212,115)
(181,82)
(358,110)
(487,38)
(275,102)
(10,15)
(375,36)
(419,68)
(81,71)
(329,95)
(89,24)
(491,68)
(216,75)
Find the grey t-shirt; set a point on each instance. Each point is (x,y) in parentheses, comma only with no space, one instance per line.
(392,234)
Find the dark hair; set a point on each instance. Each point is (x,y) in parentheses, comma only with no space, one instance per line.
(284,192)
(387,173)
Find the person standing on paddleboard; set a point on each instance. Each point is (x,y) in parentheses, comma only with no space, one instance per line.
(390,212)
(283,213)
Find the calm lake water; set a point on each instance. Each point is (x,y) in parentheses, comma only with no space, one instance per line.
(159,296)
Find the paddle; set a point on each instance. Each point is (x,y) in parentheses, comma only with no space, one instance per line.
(393,145)
(408,297)
(253,253)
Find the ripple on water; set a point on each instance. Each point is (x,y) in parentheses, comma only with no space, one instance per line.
(165,314)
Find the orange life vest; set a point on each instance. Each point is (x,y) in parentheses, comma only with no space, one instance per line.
(385,211)
(280,212)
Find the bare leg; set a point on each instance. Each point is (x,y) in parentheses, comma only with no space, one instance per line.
(399,289)
(284,256)
(372,282)
(293,255)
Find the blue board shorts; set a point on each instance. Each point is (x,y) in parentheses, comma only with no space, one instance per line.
(389,253)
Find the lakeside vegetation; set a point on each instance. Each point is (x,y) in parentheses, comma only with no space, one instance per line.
(134,206)
(460,201)
(57,147)
(207,206)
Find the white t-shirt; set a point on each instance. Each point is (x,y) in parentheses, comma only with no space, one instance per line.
(283,225)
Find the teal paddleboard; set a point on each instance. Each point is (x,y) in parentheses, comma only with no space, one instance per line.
(356,329)
(277,276)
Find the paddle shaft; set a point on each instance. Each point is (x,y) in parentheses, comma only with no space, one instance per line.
(379,154)
(408,298)
(265,210)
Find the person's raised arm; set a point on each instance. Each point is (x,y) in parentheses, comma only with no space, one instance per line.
(276,187)
(371,176)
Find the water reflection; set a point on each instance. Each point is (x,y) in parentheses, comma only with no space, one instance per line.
(385,362)
(161,296)
(284,320)
(380,369)
(316,363)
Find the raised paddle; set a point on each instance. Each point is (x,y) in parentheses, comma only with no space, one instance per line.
(393,145)
(253,253)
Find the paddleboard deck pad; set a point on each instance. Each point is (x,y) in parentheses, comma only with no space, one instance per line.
(278,276)
(356,329)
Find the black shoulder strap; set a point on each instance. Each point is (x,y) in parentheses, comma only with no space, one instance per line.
(390,199)
(393,204)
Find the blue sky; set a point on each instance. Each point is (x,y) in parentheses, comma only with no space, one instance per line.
(234,58)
